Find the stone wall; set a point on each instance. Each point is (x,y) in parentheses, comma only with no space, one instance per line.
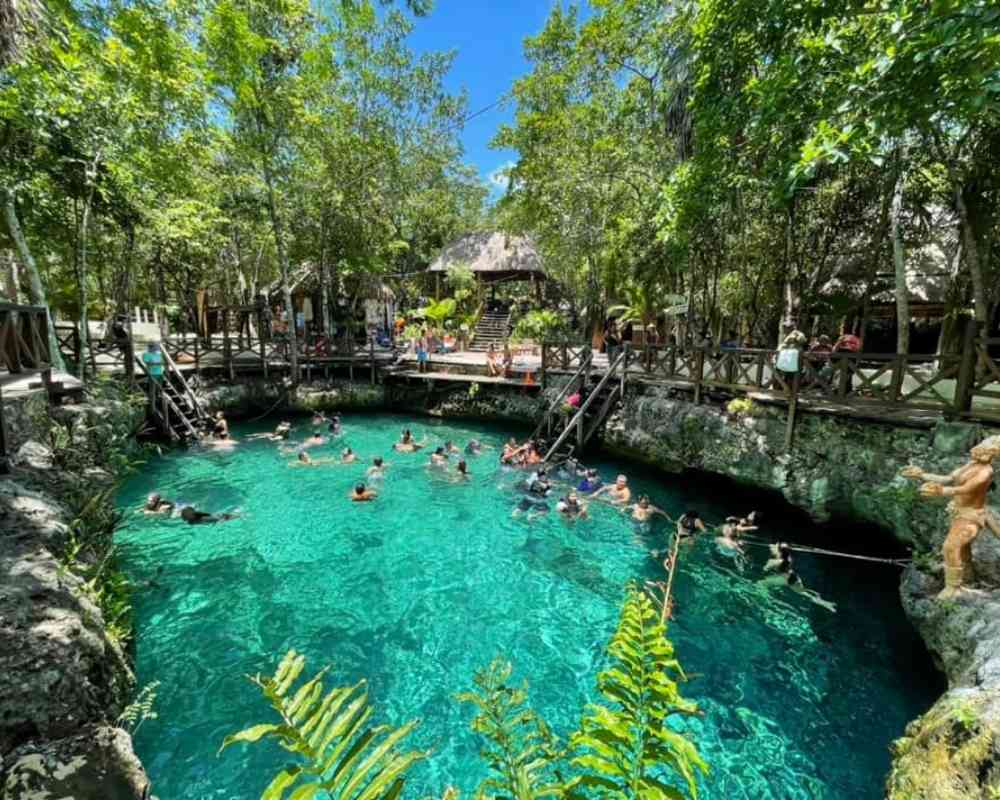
(63,679)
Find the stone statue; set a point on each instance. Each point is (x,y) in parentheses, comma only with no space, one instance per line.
(968,487)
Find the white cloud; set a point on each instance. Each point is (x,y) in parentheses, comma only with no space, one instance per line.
(500,177)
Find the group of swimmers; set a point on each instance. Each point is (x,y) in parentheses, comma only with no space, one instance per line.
(578,481)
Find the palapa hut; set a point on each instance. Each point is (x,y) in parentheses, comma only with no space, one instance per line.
(494,257)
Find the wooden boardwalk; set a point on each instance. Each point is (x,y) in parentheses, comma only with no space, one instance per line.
(29,381)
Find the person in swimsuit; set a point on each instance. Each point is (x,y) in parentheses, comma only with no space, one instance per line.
(449,448)
(303,460)
(376,471)
(348,456)
(591,482)
(155,504)
(462,471)
(571,507)
(618,493)
(316,440)
(192,516)
(406,443)
(643,511)
(689,524)
(334,426)
(362,494)
(532,509)
(438,459)
(220,428)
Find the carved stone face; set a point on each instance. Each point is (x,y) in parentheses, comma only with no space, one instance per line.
(983,453)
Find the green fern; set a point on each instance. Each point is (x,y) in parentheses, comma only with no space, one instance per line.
(627,749)
(523,750)
(341,755)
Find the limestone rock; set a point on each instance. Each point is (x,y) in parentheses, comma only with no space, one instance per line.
(95,764)
(34,455)
(58,669)
(26,512)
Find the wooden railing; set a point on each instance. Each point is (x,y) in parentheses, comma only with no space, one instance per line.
(24,337)
(946,383)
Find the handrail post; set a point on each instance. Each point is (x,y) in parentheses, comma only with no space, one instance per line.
(543,376)
(896,381)
(227,347)
(197,354)
(964,386)
(260,340)
(699,363)
(371,354)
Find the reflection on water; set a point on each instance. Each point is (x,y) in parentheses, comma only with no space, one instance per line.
(419,589)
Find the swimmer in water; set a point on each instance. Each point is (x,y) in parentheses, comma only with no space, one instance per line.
(155,504)
(362,494)
(618,492)
(438,459)
(220,428)
(571,507)
(689,524)
(449,448)
(643,511)
(376,471)
(474,447)
(406,444)
(279,435)
(334,426)
(531,509)
(462,471)
(727,542)
(591,482)
(781,559)
(193,516)
(318,419)
(304,460)
(538,483)
(741,525)
(316,440)
(794,582)
(348,456)
(531,455)
(511,452)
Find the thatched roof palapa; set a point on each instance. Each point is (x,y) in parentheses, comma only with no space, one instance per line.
(493,257)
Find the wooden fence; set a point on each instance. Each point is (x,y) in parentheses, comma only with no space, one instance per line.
(947,383)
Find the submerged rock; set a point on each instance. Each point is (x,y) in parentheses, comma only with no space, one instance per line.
(95,764)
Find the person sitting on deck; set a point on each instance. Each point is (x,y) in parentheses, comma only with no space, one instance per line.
(448,344)
(348,456)
(591,482)
(508,359)
(422,346)
(406,443)
(689,524)
(493,367)
(618,492)
(643,511)
(155,504)
(362,494)
(192,516)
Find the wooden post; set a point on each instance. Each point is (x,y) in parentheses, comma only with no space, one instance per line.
(793,402)
(128,353)
(699,363)
(371,355)
(260,340)
(845,377)
(227,347)
(545,351)
(964,386)
(197,353)
(896,381)
(4,462)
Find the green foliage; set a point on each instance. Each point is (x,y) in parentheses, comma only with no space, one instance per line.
(742,407)
(338,751)
(522,753)
(628,747)
(437,313)
(540,326)
(140,709)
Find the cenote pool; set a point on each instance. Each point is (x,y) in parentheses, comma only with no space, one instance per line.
(419,589)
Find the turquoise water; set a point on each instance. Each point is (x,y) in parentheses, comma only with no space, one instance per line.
(420,588)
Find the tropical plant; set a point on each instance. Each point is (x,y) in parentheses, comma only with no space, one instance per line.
(438,312)
(540,325)
(338,751)
(139,710)
(522,753)
(627,746)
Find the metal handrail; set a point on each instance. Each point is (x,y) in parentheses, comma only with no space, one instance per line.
(587,361)
(169,400)
(191,395)
(622,359)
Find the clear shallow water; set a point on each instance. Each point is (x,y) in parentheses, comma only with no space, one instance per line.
(419,589)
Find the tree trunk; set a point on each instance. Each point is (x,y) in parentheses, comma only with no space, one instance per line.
(899,261)
(972,259)
(36,289)
(81,278)
(279,244)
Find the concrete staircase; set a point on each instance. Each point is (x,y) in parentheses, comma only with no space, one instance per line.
(493,328)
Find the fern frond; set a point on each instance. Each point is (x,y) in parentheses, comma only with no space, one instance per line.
(339,754)
(626,748)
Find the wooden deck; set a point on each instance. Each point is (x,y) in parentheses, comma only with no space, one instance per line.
(465,377)
(29,381)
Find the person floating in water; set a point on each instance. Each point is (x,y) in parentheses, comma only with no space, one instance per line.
(193,516)
(439,459)
(304,460)
(571,507)
(781,564)
(376,471)
(474,447)
(155,504)
(591,482)
(618,492)
(462,471)
(348,456)
(362,494)
(315,440)
(406,444)
(643,511)
(689,524)
(280,433)
(531,509)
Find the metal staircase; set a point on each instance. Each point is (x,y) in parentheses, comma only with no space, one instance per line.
(171,404)
(493,328)
(575,430)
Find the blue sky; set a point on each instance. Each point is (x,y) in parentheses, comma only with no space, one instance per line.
(488,36)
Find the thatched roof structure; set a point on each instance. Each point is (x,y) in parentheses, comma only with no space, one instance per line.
(493,257)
